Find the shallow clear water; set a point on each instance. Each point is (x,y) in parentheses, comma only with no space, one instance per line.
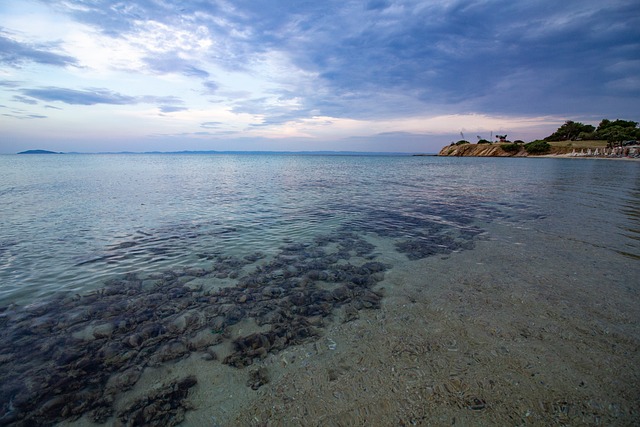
(136,228)
(70,221)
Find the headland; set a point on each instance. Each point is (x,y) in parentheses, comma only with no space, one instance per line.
(611,139)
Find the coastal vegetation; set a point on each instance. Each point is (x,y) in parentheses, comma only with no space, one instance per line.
(569,137)
(534,147)
(610,131)
(510,148)
(537,147)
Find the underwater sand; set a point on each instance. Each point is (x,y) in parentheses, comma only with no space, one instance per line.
(410,291)
(493,336)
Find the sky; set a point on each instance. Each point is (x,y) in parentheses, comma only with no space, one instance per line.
(298,75)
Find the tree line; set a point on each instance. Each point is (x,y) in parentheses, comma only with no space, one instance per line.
(611,131)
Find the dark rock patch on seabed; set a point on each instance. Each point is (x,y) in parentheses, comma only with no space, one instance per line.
(72,356)
(162,407)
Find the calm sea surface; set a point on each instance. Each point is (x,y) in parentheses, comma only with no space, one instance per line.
(113,265)
(70,221)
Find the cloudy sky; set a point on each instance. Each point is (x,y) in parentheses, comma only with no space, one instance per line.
(378,75)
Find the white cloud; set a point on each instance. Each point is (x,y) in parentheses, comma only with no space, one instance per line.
(323,72)
(156,37)
(323,127)
(102,54)
(33,22)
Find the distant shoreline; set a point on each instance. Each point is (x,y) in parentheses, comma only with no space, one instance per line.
(302,153)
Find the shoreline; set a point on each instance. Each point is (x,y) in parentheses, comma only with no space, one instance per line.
(596,149)
(556,156)
(566,156)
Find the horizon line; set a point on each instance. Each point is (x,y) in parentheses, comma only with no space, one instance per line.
(335,152)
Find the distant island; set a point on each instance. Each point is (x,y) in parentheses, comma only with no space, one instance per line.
(38,152)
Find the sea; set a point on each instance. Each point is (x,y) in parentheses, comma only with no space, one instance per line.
(118,267)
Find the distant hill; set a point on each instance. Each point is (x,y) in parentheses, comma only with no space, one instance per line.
(38,152)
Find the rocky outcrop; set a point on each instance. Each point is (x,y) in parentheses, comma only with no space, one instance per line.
(479,150)
(493,150)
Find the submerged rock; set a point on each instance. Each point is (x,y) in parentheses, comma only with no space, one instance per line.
(258,378)
(73,356)
(162,407)
(94,347)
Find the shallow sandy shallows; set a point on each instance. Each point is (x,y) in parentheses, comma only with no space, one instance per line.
(506,334)
(528,328)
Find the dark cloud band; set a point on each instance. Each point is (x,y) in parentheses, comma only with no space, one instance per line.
(93,96)
(15,53)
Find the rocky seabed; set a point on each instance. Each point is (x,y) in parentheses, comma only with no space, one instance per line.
(73,356)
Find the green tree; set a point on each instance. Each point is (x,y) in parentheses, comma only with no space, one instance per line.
(510,148)
(606,123)
(537,147)
(586,136)
(617,130)
(617,134)
(570,131)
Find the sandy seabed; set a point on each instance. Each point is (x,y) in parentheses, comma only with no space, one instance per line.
(501,335)
(514,332)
